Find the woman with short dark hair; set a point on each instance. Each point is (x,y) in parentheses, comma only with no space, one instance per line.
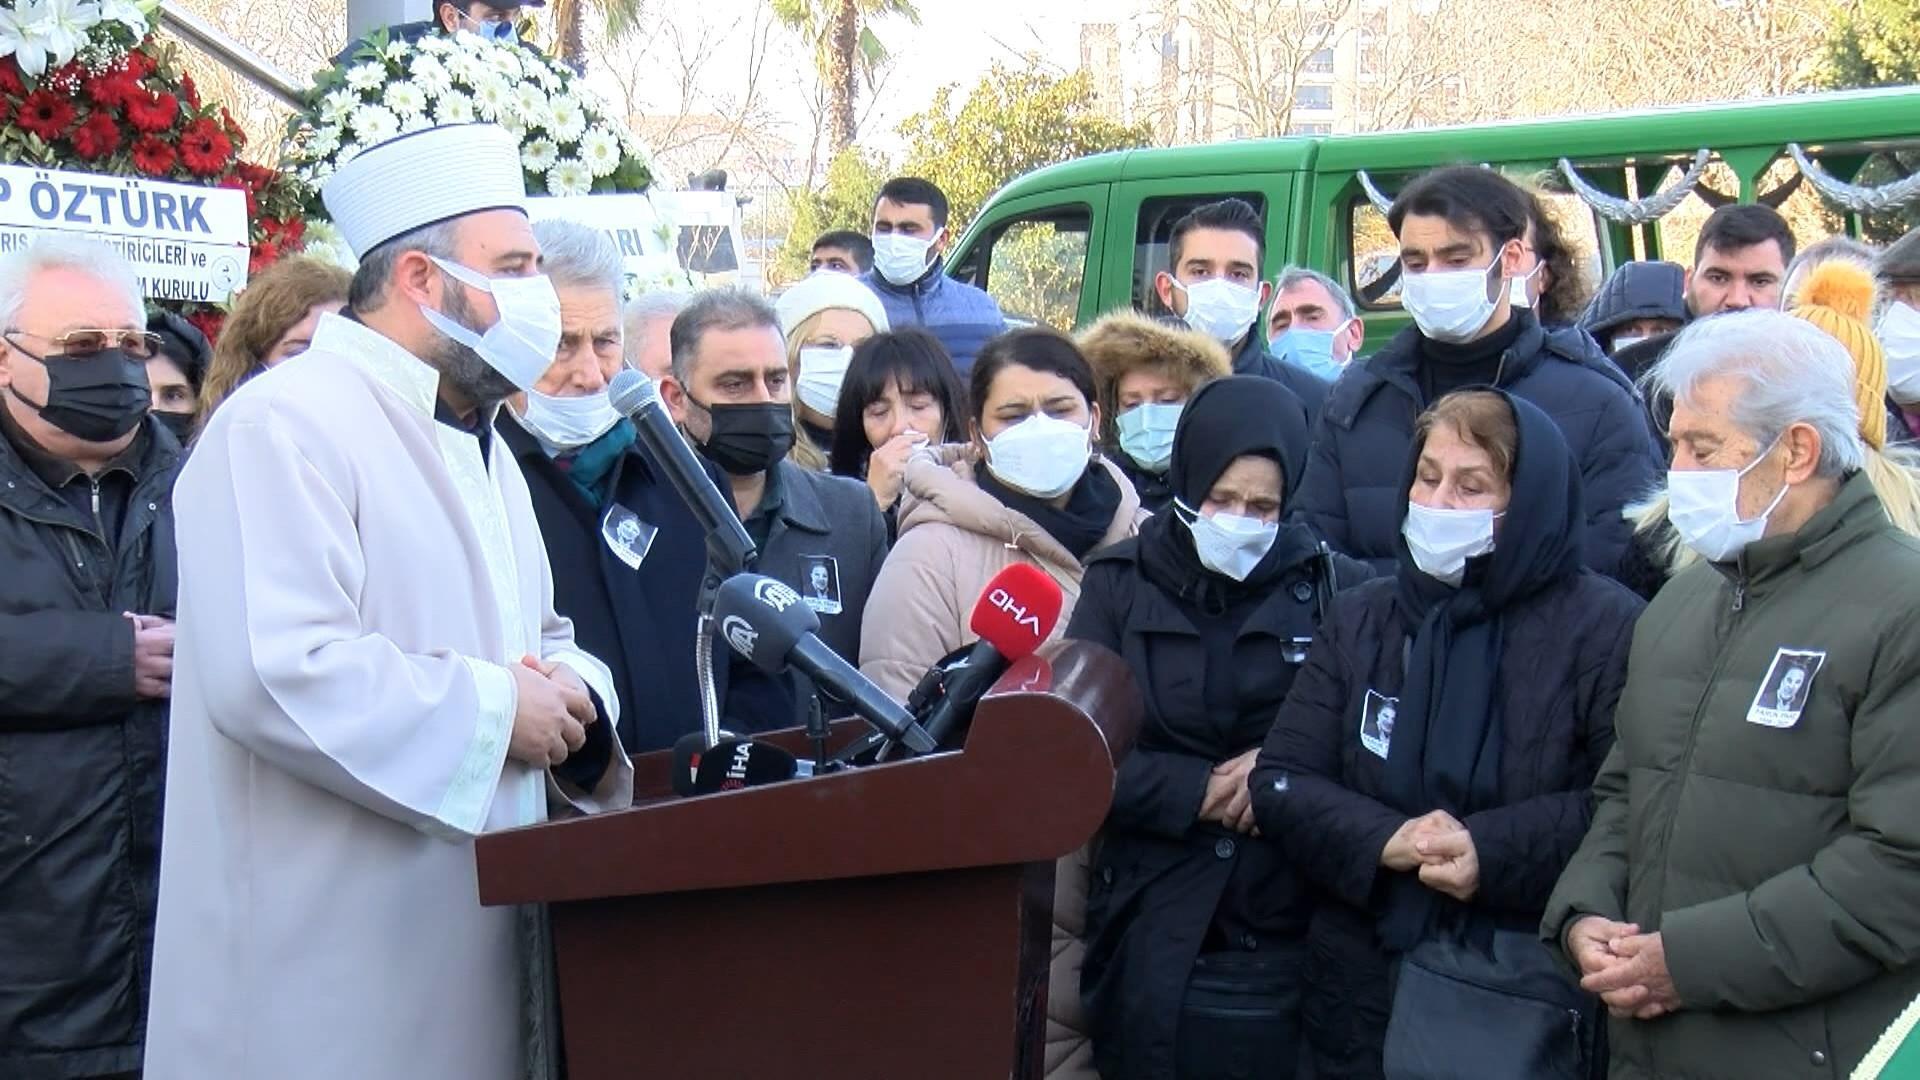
(900,393)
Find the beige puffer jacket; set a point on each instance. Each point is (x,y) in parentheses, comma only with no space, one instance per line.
(953,539)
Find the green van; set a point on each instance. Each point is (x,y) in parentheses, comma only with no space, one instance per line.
(1065,243)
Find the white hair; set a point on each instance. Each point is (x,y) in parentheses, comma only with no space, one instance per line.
(90,257)
(1790,371)
(656,304)
(1301,275)
(579,256)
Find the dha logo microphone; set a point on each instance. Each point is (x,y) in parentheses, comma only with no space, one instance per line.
(1022,617)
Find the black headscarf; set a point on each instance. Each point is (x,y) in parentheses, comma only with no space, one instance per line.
(183,343)
(1445,753)
(1224,420)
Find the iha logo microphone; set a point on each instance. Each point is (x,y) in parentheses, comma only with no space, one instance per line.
(1004,600)
(737,768)
(740,634)
(775,594)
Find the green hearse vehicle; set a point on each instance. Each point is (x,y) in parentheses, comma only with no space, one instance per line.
(1065,243)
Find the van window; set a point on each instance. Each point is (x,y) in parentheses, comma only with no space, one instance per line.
(1155,229)
(1374,274)
(1036,266)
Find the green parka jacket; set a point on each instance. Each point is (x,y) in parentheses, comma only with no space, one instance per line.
(1761,807)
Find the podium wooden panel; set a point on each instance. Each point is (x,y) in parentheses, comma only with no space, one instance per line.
(891,922)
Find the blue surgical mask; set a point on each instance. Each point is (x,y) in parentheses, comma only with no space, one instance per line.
(1310,349)
(1146,434)
(502,31)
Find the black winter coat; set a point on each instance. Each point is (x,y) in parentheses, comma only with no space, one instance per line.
(640,623)
(1162,880)
(1254,359)
(1352,491)
(1319,790)
(1155,494)
(1637,290)
(82,760)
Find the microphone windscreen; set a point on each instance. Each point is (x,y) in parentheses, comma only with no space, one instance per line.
(630,390)
(762,619)
(1018,610)
(743,763)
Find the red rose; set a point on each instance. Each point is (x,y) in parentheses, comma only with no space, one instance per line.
(153,156)
(96,138)
(204,149)
(10,81)
(45,114)
(151,112)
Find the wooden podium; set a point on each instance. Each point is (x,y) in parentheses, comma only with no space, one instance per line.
(890,923)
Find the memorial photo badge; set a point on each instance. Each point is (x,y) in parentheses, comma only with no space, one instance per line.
(1377,716)
(626,535)
(1783,693)
(820,583)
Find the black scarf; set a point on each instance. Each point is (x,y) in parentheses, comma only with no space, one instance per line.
(1445,753)
(1227,419)
(1446,367)
(1081,524)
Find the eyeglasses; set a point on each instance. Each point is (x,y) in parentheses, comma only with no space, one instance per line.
(80,344)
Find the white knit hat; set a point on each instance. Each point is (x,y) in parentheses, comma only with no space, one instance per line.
(423,178)
(823,291)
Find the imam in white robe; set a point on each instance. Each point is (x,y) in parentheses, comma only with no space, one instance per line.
(354,581)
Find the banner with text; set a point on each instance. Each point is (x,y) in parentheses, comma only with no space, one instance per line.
(185,242)
(636,227)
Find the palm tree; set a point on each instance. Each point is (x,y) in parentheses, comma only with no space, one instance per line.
(569,25)
(844,48)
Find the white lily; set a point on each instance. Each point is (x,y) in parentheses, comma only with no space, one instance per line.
(50,30)
(126,13)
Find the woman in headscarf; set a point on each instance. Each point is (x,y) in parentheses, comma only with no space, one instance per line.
(1144,370)
(1430,770)
(1195,929)
(1028,488)
(176,371)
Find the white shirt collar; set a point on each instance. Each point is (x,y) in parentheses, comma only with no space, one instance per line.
(391,365)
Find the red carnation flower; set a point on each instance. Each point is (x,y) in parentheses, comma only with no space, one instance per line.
(265,254)
(208,322)
(151,112)
(45,114)
(258,177)
(189,91)
(152,155)
(138,63)
(204,149)
(108,91)
(10,81)
(234,181)
(96,138)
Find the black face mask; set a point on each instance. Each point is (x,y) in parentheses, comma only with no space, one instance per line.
(180,423)
(748,439)
(97,398)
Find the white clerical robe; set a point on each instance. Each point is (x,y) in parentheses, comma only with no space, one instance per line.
(354,581)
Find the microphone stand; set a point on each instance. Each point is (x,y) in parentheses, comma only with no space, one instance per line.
(817,733)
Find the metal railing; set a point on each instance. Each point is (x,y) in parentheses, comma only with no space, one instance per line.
(232,55)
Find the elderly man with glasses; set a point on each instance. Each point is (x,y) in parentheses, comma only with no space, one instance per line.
(86,659)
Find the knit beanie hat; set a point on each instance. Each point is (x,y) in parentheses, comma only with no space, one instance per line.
(1837,296)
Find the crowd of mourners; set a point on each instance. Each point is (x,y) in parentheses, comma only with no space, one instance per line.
(1531,695)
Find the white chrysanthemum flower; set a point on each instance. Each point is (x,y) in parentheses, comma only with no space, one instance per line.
(505,59)
(430,76)
(406,99)
(569,177)
(324,142)
(491,99)
(347,153)
(600,149)
(337,106)
(453,108)
(375,124)
(566,119)
(364,77)
(514,124)
(433,45)
(417,122)
(465,67)
(396,50)
(539,155)
(532,103)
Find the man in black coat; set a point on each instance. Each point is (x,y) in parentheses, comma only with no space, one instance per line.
(627,554)
(1213,282)
(1460,232)
(86,661)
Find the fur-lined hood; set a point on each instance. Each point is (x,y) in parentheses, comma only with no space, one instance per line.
(1127,341)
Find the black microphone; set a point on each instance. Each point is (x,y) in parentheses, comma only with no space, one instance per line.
(765,621)
(688,752)
(729,548)
(742,763)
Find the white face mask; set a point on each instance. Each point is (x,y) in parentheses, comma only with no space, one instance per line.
(1451,305)
(1220,309)
(1040,456)
(568,423)
(1228,544)
(1899,333)
(521,345)
(901,259)
(822,370)
(1146,434)
(1441,541)
(1518,293)
(1623,340)
(1704,507)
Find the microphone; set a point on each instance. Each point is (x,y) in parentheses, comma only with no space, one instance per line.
(765,621)
(733,764)
(1014,616)
(688,751)
(729,548)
